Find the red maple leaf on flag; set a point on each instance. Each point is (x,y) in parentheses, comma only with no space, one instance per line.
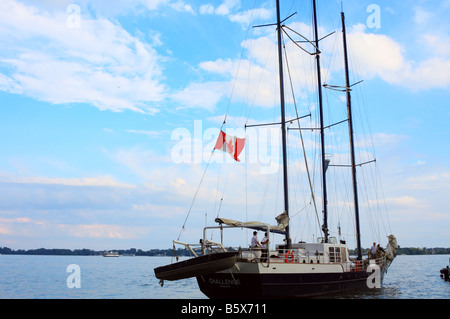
(230,147)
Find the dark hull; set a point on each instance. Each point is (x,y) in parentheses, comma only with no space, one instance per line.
(225,285)
(206,264)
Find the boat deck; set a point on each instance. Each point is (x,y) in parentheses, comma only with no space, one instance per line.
(296,256)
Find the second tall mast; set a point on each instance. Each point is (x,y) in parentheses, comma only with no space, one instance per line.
(322,133)
(352,144)
(283,123)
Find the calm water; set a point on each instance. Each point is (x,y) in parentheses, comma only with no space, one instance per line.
(44,277)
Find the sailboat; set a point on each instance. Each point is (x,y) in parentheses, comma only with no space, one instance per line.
(291,269)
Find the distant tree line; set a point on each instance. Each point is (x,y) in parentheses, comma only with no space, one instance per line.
(411,251)
(89,252)
(184,252)
(424,251)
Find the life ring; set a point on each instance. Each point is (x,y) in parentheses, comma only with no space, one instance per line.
(289,257)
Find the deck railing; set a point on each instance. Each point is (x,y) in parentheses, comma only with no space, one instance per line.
(294,256)
(307,257)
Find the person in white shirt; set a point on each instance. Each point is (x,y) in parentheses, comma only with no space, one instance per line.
(265,242)
(265,247)
(373,251)
(255,243)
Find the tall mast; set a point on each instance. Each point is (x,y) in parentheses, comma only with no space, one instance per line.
(322,135)
(283,123)
(352,145)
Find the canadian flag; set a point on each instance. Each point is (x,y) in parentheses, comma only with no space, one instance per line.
(230,144)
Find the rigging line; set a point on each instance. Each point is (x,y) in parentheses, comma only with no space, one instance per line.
(246,180)
(220,207)
(239,65)
(195,195)
(377,207)
(217,189)
(306,206)
(369,144)
(371,210)
(225,184)
(258,85)
(383,200)
(296,43)
(301,135)
(331,61)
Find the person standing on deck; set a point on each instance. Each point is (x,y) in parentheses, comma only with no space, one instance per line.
(255,243)
(265,247)
(373,251)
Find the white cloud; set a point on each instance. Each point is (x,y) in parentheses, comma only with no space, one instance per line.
(76,208)
(207,9)
(380,56)
(440,45)
(201,95)
(227,6)
(143,132)
(9,85)
(254,79)
(427,180)
(246,17)
(104,181)
(375,55)
(421,15)
(150,4)
(102,231)
(99,63)
(405,202)
(239,74)
(182,7)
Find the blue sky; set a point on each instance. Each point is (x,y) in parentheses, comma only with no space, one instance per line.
(92,93)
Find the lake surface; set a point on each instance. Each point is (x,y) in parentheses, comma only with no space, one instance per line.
(50,277)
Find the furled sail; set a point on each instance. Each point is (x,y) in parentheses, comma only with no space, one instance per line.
(392,247)
(280,228)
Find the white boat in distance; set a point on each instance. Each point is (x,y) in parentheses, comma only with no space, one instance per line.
(111,254)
